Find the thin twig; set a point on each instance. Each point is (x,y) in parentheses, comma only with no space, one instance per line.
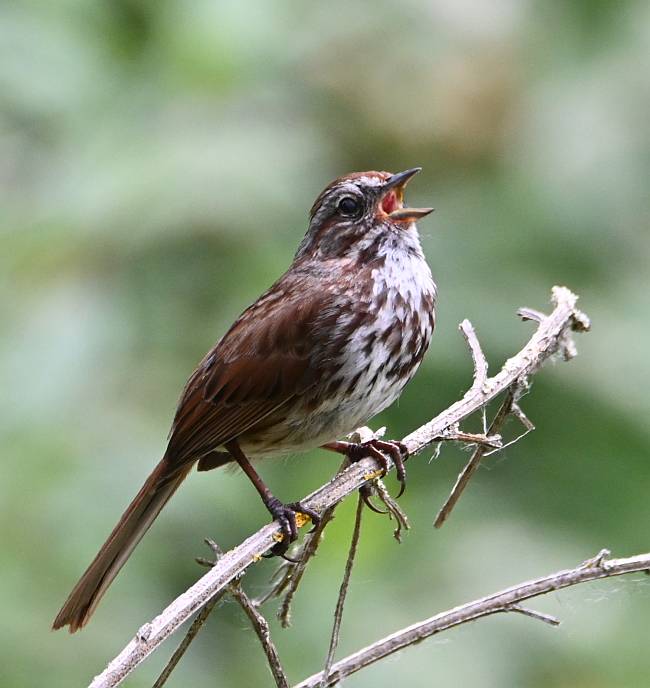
(484,439)
(259,623)
(340,603)
(533,614)
(194,629)
(516,411)
(298,570)
(530,314)
(192,632)
(496,603)
(472,465)
(289,574)
(394,510)
(478,357)
(261,627)
(553,335)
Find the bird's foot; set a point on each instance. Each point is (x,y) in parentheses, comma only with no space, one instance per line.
(377,449)
(285,514)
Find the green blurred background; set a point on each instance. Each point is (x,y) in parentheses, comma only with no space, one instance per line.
(157,160)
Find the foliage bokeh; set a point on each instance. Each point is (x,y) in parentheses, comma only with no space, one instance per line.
(156,164)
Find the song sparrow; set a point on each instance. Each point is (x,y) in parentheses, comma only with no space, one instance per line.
(329,345)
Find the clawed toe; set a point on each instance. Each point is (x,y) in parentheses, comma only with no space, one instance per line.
(285,514)
(300,508)
(378,449)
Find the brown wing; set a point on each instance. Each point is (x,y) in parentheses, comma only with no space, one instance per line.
(273,353)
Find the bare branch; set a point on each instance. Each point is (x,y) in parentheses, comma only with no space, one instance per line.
(340,603)
(506,600)
(553,335)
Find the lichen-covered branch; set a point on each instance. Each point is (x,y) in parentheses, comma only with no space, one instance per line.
(553,336)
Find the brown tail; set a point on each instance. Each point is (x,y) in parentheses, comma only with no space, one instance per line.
(140,514)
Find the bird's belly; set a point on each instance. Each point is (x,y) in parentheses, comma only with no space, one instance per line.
(393,327)
(363,386)
(332,419)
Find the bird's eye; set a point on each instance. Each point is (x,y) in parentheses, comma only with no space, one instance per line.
(349,206)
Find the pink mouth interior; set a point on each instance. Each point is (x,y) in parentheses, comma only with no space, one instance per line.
(390,203)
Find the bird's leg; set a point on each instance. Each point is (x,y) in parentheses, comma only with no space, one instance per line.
(377,449)
(285,514)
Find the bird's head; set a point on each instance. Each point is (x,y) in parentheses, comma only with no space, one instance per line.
(352,211)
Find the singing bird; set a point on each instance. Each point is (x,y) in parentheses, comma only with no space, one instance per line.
(332,343)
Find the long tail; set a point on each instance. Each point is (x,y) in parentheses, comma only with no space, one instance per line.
(136,520)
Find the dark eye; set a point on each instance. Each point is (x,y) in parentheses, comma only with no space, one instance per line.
(349,206)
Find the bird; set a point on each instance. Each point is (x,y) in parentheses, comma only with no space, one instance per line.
(328,346)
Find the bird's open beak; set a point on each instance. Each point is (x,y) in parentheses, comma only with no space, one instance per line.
(392,199)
